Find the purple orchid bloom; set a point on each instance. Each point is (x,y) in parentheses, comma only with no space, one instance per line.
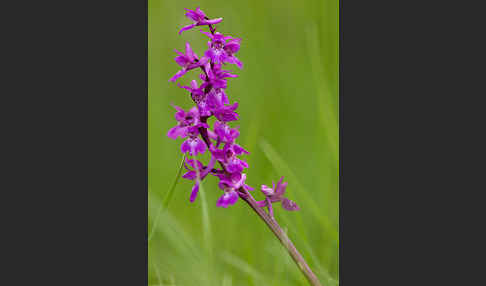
(226,113)
(187,61)
(191,174)
(227,157)
(204,109)
(197,93)
(230,184)
(185,119)
(221,51)
(194,144)
(215,76)
(227,199)
(224,132)
(217,98)
(231,48)
(199,19)
(216,50)
(274,195)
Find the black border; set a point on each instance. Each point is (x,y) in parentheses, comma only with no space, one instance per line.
(78,172)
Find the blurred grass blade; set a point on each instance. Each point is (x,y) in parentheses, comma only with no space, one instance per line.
(167,198)
(205,219)
(282,167)
(326,99)
(172,230)
(243,267)
(227,281)
(206,224)
(157,273)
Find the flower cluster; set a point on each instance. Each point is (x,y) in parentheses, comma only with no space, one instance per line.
(211,100)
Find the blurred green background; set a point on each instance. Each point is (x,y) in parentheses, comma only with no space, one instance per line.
(288,96)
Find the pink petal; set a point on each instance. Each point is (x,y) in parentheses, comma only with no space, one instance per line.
(191,175)
(185,147)
(290,205)
(182,60)
(177,131)
(178,75)
(213,21)
(189,53)
(201,146)
(185,28)
(194,192)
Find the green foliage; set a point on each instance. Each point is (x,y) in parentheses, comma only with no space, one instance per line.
(288,96)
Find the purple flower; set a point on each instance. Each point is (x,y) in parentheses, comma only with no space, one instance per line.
(275,194)
(204,109)
(224,132)
(221,52)
(230,184)
(215,76)
(187,61)
(216,50)
(185,120)
(226,113)
(228,157)
(231,48)
(199,97)
(199,19)
(194,144)
(191,174)
(197,93)
(217,98)
(228,198)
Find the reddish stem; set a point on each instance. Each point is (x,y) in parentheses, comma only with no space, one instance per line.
(282,237)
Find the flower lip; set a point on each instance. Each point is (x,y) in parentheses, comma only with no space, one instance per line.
(227,199)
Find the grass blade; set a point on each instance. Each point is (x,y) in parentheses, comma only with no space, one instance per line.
(206,225)
(173,231)
(327,107)
(244,267)
(167,198)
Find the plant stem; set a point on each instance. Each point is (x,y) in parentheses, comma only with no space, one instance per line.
(282,237)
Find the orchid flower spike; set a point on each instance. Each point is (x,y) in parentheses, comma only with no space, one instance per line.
(211,100)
